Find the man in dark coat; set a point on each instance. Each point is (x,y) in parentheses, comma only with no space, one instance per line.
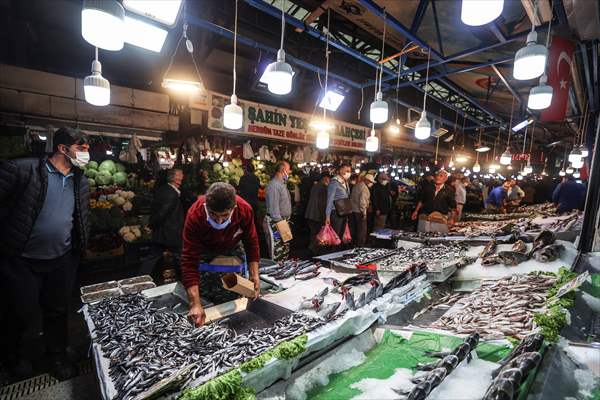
(315,209)
(44,204)
(167,216)
(381,200)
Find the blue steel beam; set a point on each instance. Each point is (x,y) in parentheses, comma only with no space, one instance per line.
(588,76)
(437,27)
(396,25)
(512,90)
(419,15)
(495,29)
(455,71)
(209,26)
(296,23)
(466,53)
(559,9)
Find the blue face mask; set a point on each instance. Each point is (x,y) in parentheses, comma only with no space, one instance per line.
(286,177)
(214,224)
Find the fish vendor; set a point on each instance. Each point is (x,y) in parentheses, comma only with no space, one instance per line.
(496,200)
(218,224)
(436,207)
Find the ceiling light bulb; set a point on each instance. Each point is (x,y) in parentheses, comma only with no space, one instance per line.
(530,61)
(562,172)
(506,157)
(480,12)
(423,127)
(570,170)
(322,139)
(482,149)
(96,88)
(528,169)
(575,155)
(278,75)
(102,24)
(492,169)
(233,115)
(576,174)
(577,164)
(584,151)
(540,96)
(372,142)
(379,110)
(182,86)
(142,34)
(476,167)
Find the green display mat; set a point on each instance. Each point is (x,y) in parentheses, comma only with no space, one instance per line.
(393,352)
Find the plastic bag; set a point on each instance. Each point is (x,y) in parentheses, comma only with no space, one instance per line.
(347,237)
(328,237)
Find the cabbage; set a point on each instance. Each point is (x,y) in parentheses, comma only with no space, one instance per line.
(108,165)
(91,173)
(104,178)
(91,182)
(120,167)
(119,178)
(217,167)
(92,165)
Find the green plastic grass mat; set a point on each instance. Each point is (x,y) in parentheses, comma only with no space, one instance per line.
(395,352)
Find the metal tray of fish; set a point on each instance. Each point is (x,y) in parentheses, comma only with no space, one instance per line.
(135,279)
(361,256)
(441,274)
(101,295)
(137,287)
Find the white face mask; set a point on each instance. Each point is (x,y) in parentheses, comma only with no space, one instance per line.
(346,176)
(214,223)
(82,158)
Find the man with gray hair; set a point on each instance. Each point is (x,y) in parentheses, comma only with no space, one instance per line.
(218,224)
(279,208)
(166,221)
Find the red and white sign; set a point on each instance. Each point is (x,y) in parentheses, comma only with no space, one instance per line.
(559,77)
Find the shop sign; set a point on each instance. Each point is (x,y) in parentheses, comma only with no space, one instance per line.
(271,122)
(520,157)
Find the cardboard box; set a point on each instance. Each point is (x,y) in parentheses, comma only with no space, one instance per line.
(226,260)
(235,283)
(284,230)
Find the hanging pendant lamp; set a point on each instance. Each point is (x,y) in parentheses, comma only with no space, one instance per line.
(233,115)
(372,142)
(379,109)
(278,75)
(540,96)
(322,139)
(423,126)
(530,61)
(577,164)
(575,155)
(480,12)
(506,157)
(96,88)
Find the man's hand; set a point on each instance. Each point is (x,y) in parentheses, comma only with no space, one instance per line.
(196,314)
(327,221)
(414,216)
(256,280)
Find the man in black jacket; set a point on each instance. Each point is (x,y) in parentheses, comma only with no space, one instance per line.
(167,216)
(44,204)
(381,201)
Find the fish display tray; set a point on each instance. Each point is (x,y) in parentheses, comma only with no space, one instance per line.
(441,274)
(107,290)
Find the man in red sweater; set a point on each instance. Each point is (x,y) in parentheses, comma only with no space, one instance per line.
(215,225)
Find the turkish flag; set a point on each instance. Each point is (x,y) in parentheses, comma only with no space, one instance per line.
(559,77)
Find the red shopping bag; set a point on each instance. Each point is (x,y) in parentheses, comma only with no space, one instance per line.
(328,237)
(347,237)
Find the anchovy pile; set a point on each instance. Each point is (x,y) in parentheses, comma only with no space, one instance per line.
(499,308)
(428,253)
(146,345)
(440,369)
(302,270)
(363,256)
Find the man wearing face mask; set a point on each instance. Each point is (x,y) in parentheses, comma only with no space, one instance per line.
(279,207)
(382,201)
(436,207)
(218,224)
(339,205)
(45,215)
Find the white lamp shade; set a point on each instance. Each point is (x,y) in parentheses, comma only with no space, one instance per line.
(575,155)
(423,127)
(576,175)
(476,167)
(530,61)
(506,157)
(480,12)
(584,151)
(379,110)
(102,24)
(562,172)
(570,170)
(540,97)
(233,115)
(96,88)
(322,140)
(577,164)
(527,169)
(278,75)
(372,144)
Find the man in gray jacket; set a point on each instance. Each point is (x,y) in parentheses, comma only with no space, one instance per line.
(361,197)
(279,207)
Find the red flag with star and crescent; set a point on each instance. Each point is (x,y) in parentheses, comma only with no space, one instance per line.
(559,77)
